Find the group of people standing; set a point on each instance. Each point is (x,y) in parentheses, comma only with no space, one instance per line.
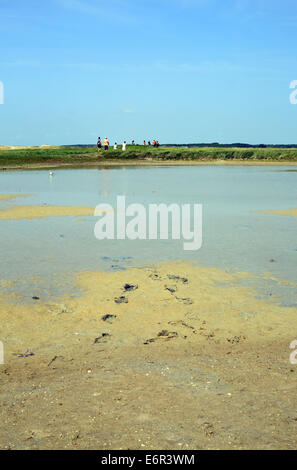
(105,144)
(124,145)
(155,143)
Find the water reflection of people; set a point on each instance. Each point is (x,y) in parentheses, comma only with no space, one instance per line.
(106,182)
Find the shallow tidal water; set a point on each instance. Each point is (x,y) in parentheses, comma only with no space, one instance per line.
(40,255)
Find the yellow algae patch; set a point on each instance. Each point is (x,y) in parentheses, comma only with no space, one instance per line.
(7,197)
(38,212)
(290,212)
(7,284)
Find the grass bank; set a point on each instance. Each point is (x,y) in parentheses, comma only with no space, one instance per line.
(75,155)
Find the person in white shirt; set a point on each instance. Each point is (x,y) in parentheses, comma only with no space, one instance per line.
(124,146)
(115,147)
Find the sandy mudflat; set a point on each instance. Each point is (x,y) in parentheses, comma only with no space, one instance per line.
(38,212)
(8,197)
(186,358)
(22,147)
(290,212)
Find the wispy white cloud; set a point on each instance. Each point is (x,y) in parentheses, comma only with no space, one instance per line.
(21,63)
(193,3)
(115,10)
(203,67)
(186,3)
(289,22)
(213,67)
(79,5)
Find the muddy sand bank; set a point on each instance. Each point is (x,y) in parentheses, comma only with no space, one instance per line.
(176,356)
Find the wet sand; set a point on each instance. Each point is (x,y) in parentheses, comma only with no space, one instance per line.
(175,356)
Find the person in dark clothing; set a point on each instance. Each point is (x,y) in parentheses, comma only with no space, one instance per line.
(99,144)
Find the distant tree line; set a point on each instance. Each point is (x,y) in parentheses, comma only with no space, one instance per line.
(234,145)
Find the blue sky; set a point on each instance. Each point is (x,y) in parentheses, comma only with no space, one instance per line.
(175,70)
